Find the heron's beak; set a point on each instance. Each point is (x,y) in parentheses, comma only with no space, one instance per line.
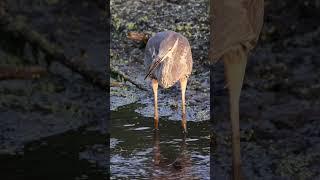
(154,65)
(159,59)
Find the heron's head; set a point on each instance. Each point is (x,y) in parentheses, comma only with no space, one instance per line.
(166,50)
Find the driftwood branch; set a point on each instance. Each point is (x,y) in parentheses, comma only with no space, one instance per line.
(8,25)
(127,78)
(21,72)
(139,37)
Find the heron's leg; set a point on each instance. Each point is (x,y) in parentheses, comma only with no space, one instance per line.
(155,94)
(156,148)
(183,86)
(235,64)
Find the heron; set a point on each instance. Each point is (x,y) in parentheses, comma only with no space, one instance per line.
(168,59)
(234,32)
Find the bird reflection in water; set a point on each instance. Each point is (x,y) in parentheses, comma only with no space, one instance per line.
(180,168)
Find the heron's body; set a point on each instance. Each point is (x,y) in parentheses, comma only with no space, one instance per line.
(178,62)
(168,59)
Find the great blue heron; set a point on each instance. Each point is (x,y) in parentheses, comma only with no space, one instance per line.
(234,31)
(168,59)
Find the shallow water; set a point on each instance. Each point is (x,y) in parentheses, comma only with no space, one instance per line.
(139,152)
(77,154)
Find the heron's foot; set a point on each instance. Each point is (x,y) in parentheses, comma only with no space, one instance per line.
(155,129)
(237,173)
(185,131)
(241,177)
(156,122)
(226,86)
(184,122)
(184,127)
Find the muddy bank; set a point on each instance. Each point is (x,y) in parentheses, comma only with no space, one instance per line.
(127,56)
